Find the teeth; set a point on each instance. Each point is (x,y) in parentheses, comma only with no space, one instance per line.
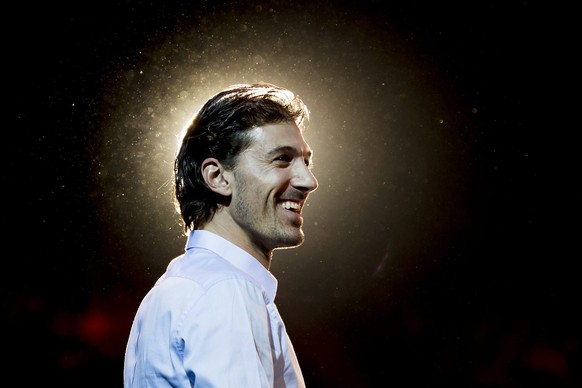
(291,206)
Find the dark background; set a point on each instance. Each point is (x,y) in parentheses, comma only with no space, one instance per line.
(438,251)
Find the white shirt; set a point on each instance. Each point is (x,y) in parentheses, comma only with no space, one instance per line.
(210,321)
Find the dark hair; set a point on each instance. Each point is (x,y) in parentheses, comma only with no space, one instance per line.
(221,130)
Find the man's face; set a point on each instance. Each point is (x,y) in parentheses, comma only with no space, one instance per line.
(272,180)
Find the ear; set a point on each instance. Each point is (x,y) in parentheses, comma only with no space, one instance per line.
(214,175)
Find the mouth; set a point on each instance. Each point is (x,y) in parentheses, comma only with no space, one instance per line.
(295,207)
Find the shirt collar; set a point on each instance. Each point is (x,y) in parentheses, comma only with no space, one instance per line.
(235,255)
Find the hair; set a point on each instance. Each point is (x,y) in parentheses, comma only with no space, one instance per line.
(221,130)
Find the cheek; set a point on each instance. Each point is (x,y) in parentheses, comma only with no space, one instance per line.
(262,186)
(250,188)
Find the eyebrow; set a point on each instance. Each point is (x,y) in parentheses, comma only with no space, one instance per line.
(287,149)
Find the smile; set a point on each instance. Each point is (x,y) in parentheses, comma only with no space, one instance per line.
(293,206)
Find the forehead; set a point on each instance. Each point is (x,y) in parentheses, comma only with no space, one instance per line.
(271,136)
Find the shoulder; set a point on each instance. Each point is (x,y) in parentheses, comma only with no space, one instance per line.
(204,282)
(201,275)
(206,269)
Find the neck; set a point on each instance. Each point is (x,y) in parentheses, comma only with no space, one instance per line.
(235,235)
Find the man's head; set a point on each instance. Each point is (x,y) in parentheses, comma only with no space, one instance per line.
(244,155)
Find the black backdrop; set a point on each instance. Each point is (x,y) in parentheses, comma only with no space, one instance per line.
(437,250)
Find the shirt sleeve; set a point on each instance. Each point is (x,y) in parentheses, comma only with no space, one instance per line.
(225,338)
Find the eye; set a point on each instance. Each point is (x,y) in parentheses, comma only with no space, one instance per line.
(283,159)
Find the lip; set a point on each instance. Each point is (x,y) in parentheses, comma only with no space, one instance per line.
(293,216)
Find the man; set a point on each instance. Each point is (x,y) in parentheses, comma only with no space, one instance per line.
(242,176)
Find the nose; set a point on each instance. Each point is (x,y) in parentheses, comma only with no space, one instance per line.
(303,179)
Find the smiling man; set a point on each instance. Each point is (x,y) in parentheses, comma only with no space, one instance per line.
(242,176)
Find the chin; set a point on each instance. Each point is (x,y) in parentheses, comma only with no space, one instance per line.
(291,241)
(287,247)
